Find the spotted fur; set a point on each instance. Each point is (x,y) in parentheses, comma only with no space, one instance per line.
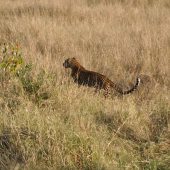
(81,76)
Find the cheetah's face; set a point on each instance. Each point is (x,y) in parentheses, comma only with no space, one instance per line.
(68,63)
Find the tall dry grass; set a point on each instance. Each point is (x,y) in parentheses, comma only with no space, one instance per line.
(75,128)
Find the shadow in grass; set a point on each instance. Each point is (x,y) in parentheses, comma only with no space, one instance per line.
(11,152)
(39,10)
(157,152)
(115,124)
(159,124)
(31,10)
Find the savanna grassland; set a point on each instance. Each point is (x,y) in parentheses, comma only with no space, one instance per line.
(47,122)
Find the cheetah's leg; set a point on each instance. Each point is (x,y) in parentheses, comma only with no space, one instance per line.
(106,91)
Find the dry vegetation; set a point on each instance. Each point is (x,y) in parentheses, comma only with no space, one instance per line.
(47,122)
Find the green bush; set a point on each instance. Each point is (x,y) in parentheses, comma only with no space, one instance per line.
(13,66)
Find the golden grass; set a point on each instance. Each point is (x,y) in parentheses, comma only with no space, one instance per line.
(75,128)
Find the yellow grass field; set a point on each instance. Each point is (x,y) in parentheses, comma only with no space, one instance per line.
(47,121)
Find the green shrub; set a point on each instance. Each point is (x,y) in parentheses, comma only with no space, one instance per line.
(13,67)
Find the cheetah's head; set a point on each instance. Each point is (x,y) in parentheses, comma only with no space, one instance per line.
(69,63)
